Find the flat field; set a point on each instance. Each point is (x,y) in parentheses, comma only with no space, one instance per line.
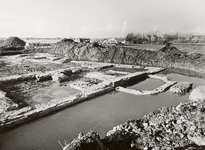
(43,40)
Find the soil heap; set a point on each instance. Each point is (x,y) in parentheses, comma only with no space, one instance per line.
(173,51)
(66,40)
(12,43)
(75,51)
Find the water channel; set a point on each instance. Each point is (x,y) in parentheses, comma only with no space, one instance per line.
(98,114)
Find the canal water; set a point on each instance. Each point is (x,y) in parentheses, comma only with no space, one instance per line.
(99,114)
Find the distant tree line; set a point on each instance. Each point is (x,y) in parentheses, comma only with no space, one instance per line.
(136,38)
(167,37)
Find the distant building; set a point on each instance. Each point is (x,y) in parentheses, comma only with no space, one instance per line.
(111,41)
(198,39)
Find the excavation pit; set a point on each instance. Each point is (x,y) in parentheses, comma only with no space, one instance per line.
(38,94)
(49,96)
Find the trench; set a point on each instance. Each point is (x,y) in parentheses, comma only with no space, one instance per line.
(98,114)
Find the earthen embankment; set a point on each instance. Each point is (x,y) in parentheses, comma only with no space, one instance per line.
(169,57)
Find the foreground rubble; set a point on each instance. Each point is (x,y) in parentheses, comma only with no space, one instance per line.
(179,127)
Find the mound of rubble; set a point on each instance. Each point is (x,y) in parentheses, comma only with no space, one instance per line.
(90,141)
(173,52)
(12,43)
(75,51)
(181,88)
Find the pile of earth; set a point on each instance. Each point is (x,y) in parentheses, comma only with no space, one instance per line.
(12,43)
(173,52)
(75,51)
(168,57)
(66,40)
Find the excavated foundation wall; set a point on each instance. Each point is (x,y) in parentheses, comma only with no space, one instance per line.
(169,58)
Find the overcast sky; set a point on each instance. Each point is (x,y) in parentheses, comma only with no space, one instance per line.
(99,18)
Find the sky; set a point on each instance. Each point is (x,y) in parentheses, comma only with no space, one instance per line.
(99,18)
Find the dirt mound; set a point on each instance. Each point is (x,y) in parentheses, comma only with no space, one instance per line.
(73,50)
(172,51)
(13,42)
(12,45)
(66,41)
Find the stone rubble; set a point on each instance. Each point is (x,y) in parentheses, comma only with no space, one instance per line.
(166,128)
(90,141)
(181,88)
(173,128)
